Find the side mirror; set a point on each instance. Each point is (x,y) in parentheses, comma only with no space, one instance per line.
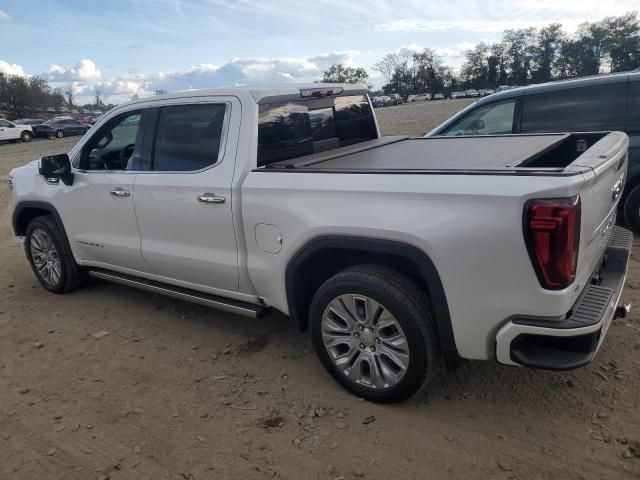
(477,124)
(56,167)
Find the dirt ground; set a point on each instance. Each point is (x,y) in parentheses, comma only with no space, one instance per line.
(115,383)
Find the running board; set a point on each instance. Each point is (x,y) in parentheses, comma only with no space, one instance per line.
(206,299)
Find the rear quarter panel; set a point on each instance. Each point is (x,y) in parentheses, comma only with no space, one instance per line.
(469,225)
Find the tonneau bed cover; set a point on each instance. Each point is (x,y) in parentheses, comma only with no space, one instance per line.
(550,153)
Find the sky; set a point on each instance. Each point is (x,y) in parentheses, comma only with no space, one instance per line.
(133,47)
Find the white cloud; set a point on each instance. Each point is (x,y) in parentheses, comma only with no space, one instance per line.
(84,71)
(12,69)
(3,15)
(238,71)
(496,16)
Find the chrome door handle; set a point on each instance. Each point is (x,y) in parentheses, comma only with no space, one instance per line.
(119,192)
(210,198)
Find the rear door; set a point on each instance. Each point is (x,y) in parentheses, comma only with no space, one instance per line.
(183,198)
(597,106)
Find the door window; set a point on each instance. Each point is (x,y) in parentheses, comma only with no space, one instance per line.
(493,119)
(5,124)
(112,147)
(583,109)
(188,137)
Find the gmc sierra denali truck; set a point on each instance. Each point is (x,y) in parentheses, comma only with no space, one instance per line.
(399,255)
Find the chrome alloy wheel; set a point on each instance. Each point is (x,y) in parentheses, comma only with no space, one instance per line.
(365,341)
(45,257)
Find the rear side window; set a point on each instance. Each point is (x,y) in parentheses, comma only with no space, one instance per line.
(633,110)
(583,109)
(492,119)
(188,137)
(293,129)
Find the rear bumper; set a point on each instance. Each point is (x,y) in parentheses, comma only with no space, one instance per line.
(572,340)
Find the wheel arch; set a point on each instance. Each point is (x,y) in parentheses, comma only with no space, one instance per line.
(26,211)
(323,257)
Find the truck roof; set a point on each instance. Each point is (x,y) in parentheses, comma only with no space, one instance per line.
(260,93)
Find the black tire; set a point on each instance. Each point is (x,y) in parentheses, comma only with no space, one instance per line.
(60,133)
(26,136)
(631,209)
(411,308)
(71,275)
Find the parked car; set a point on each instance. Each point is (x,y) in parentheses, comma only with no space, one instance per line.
(93,120)
(504,265)
(28,121)
(455,95)
(96,112)
(438,96)
(397,99)
(605,102)
(51,110)
(421,97)
(11,132)
(60,128)
(387,101)
(62,110)
(485,92)
(471,93)
(377,102)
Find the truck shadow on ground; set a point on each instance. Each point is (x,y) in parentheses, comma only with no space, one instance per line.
(276,336)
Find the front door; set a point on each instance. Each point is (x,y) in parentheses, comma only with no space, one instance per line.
(98,208)
(183,202)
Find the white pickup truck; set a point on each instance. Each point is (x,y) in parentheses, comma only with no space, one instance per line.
(399,255)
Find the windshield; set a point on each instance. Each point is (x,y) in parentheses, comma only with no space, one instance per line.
(293,129)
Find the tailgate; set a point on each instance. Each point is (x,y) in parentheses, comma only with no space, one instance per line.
(604,166)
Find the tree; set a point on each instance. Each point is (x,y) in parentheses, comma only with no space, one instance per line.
(338,73)
(69,94)
(546,52)
(622,41)
(519,46)
(97,93)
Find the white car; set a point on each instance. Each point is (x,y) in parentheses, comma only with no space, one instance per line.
(399,255)
(422,97)
(9,131)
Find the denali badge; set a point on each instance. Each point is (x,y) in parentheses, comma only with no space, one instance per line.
(616,190)
(90,244)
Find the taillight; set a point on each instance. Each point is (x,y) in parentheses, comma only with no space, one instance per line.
(552,235)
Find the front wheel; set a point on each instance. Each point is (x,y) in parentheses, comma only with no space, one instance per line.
(631,209)
(50,256)
(26,136)
(60,133)
(373,330)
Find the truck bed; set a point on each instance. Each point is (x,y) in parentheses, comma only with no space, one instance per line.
(550,153)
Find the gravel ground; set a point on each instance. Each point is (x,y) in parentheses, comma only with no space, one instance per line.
(115,383)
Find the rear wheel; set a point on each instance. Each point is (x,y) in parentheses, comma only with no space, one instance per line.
(26,136)
(60,133)
(631,209)
(372,329)
(50,256)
